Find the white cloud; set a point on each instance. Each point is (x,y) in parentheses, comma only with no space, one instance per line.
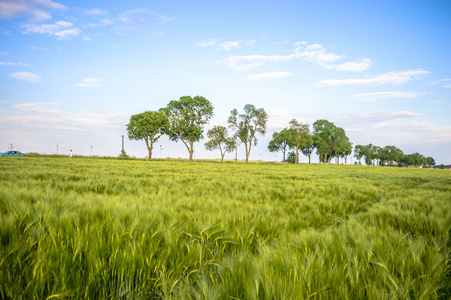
(50,116)
(447,86)
(367,97)
(61,29)
(439,82)
(139,18)
(376,117)
(226,45)
(386,78)
(209,42)
(238,62)
(270,75)
(37,108)
(89,82)
(359,66)
(438,101)
(37,10)
(95,11)
(104,22)
(38,48)
(7,63)
(26,76)
(315,53)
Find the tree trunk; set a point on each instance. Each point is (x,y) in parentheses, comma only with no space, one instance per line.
(309,158)
(283,161)
(149,144)
(248,150)
(296,161)
(222,154)
(191,150)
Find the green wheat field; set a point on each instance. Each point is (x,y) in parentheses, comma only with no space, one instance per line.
(87,228)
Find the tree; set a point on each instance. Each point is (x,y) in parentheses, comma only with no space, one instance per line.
(326,138)
(430,161)
(148,126)
(187,118)
(358,152)
(368,153)
(291,158)
(247,125)
(390,155)
(342,147)
(219,139)
(279,142)
(298,137)
(322,131)
(308,150)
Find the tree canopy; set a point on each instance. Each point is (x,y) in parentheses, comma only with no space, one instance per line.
(148,126)
(328,138)
(279,142)
(187,117)
(298,137)
(247,125)
(219,139)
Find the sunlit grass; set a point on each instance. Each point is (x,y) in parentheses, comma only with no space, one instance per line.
(124,229)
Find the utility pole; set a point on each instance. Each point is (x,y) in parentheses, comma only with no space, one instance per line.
(122,153)
(56,149)
(91,150)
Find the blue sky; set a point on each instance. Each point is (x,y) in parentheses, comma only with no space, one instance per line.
(73,72)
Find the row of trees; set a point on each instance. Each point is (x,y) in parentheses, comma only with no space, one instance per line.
(184,120)
(329,141)
(390,156)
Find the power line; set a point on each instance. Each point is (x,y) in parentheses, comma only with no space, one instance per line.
(64,133)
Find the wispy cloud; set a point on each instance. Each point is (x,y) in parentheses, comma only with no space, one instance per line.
(51,116)
(37,108)
(95,11)
(138,19)
(357,66)
(89,82)
(270,75)
(208,42)
(38,48)
(61,29)
(376,117)
(27,76)
(36,10)
(239,62)
(226,45)
(441,81)
(314,53)
(367,97)
(386,78)
(13,64)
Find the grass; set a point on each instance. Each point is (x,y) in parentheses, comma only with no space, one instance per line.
(128,229)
